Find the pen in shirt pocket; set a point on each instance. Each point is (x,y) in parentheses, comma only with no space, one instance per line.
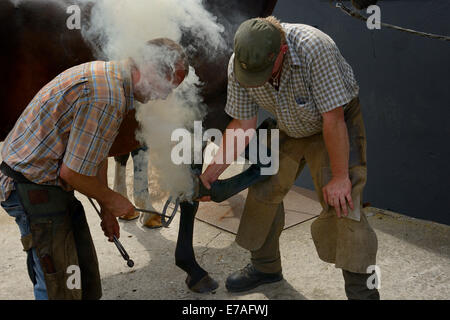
(300,100)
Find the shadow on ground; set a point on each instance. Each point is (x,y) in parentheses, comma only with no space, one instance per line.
(430,236)
(160,278)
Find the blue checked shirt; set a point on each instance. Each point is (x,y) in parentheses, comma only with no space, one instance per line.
(315,79)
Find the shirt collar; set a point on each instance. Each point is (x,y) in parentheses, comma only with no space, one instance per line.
(291,60)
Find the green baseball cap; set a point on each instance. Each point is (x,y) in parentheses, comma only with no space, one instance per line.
(256,46)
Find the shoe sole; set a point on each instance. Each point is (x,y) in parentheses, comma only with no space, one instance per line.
(231,289)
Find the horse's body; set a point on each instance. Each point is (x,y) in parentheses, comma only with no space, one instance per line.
(37,46)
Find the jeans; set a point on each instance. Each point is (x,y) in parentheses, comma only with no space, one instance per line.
(14,208)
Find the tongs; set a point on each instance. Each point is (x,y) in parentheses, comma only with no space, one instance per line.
(119,246)
(165,223)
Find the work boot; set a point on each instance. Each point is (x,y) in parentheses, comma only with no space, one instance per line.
(250,278)
(356,286)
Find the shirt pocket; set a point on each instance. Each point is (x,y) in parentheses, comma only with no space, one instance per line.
(300,100)
(306,112)
(304,105)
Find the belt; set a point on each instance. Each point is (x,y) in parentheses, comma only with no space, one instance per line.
(16,176)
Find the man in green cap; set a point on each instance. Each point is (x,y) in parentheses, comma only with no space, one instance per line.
(297,73)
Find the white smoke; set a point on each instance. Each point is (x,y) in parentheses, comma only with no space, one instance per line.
(159,119)
(120,28)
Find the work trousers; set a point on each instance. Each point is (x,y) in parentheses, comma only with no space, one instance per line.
(349,243)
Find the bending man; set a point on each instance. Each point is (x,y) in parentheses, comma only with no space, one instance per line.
(297,73)
(59,144)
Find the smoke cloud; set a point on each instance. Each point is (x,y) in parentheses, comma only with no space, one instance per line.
(119,29)
(159,119)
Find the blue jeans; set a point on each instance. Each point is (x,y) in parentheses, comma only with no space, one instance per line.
(14,208)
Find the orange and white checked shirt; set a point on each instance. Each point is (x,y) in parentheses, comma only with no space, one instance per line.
(74,119)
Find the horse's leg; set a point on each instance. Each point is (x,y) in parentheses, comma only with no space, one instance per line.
(120,181)
(198,279)
(120,184)
(140,188)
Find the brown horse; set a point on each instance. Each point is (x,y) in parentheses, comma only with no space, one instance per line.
(37,46)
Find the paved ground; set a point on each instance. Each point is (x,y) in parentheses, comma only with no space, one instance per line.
(414,257)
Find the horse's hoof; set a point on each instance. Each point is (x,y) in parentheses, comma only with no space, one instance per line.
(130,217)
(154,222)
(205,285)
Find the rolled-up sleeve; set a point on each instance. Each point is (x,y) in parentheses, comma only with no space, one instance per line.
(240,105)
(94,129)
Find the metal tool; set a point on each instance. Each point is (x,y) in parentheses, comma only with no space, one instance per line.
(130,263)
(165,223)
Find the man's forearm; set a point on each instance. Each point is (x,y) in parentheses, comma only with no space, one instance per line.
(337,192)
(220,163)
(103,172)
(336,140)
(93,187)
(224,156)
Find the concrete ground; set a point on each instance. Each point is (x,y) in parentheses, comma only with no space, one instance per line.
(414,258)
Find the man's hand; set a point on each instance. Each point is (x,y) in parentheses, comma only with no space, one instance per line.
(337,192)
(207,181)
(225,157)
(110,226)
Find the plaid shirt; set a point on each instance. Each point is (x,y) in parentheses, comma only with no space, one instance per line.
(73,119)
(315,79)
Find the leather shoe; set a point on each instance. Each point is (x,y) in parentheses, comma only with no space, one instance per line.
(250,278)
